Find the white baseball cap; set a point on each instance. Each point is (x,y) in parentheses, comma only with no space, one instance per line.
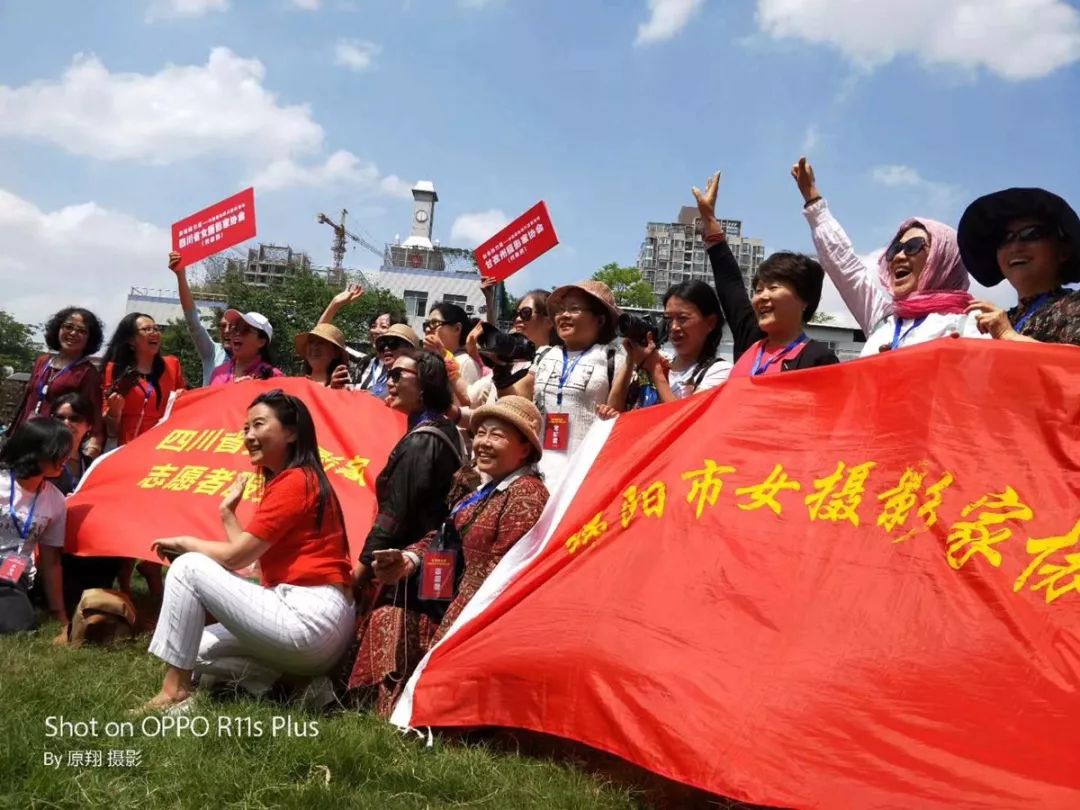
(256,320)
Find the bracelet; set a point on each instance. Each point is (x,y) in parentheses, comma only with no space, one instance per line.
(714,238)
(811,201)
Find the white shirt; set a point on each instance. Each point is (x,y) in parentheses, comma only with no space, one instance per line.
(47,527)
(586,387)
(870,305)
(679,381)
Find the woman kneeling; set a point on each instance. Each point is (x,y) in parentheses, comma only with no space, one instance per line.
(300,619)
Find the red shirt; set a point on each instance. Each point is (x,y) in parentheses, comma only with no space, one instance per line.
(143,408)
(300,553)
(744,366)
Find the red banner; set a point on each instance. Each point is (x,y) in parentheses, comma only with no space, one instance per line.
(525,239)
(848,587)
(216,228)
(170,480)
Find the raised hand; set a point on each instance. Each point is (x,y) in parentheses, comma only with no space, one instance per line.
(803,173)
(234,493)
(706,200)
(354,292)
(175,263)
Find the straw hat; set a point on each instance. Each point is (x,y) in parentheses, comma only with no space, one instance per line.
(325,331)
(401,331)
(519,412)
(597,290)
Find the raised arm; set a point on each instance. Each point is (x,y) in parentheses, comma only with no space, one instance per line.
(727,277)
(853,279)
(354,292)
(204,344)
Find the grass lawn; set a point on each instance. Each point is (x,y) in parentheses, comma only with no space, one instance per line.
(356,761)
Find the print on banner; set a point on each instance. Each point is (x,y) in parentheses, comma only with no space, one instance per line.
(216,228)
(526,238)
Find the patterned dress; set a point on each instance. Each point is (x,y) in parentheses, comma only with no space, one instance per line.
(394,638)
(1056,321)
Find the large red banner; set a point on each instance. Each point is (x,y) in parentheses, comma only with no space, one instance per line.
(215,228)
(170,480)
(525,239)
(848,587)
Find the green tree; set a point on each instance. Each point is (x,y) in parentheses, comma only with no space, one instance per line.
(627,285)
(292,306)
(823,318)
(16,344)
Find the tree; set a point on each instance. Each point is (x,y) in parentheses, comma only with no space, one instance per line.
(627,285)
(292,306)
(17,348)
(823,318)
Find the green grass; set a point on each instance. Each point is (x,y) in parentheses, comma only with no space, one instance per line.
(356,761)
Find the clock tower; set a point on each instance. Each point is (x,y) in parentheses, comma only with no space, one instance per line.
(424,199)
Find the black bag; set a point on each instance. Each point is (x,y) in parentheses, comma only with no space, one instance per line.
(17,615)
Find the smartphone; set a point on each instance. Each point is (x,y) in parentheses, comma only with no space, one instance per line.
(386,552)
(124,383)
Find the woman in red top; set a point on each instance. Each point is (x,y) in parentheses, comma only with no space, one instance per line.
(74,334)
(138,379)
(300,619)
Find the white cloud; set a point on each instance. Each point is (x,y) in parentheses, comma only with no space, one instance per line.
(178,113)
(80,254)
(356,54)
(307,5)
(810,140)
(175,9)
(666,19)
(476,228)
(342,168)
(935,195)
(1015,39)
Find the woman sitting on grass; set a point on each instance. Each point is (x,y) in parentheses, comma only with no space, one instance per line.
(300,619)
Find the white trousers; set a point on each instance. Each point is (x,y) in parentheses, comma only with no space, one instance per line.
(262,632)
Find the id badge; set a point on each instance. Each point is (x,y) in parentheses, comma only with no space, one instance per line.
(12,568)
(557,431)
(437,575)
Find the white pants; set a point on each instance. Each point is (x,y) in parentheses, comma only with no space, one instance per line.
(262,632)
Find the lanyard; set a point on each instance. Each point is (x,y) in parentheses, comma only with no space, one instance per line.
(897,338)
(479,495)
(422,418)
(69,479)
(24,528)
(566,372)
(1039,303)
(759,369)
(43,386)
(146,401)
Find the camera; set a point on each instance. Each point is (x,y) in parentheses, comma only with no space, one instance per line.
(500,348)
(637,329)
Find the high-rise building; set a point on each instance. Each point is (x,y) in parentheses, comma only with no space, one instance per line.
(674,251)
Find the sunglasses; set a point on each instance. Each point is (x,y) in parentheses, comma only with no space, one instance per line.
(1031,233)
(431,326)
(395,374)
(910,248)
(525,314)
(390,344)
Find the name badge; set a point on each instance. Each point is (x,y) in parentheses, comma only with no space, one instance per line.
(12,568)
(557,431)
(437,575)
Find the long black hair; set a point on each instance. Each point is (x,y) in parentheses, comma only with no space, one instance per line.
(431,376)
(293,414)
(121,354)
(540,299)
(95,332)
(37,441)
(453,315)
(704,297)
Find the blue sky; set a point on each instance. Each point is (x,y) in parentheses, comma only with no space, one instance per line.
(117,118)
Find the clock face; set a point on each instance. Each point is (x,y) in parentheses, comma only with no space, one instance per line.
(421,216)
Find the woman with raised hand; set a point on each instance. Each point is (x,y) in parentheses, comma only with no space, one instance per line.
(250,334)
(74,334)
(445,331)
(211,353)
(298,620)
(769,329)
(1030,237)
(923,283)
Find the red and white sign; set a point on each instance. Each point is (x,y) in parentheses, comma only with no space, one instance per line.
(526,238)
(216,228)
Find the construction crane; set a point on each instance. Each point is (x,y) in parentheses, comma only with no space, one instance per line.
(338,248)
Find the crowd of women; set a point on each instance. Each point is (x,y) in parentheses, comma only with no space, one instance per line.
(493,421)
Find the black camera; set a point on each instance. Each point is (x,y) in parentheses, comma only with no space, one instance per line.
(637,329)
(501,348)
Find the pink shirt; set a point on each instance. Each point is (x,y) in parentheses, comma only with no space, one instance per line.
(226,372)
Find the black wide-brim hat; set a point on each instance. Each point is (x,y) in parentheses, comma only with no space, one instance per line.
(984,221)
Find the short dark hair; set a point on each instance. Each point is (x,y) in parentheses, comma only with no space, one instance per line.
(95,331)
(433,380)
(80,406)
(704,297)
(39,440)
(799,272)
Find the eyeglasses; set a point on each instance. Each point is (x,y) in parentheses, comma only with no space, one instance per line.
(524,313)
(394,375)
(240,329)
(571,310)
(431,326)
(1030,233)
(678,320)
(911,247)
(150,330)
(74,329)
(390,344)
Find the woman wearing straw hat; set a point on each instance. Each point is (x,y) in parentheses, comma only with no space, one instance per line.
(324,355)
(481,528)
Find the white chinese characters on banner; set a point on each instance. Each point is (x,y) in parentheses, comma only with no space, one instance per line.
(212,230)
